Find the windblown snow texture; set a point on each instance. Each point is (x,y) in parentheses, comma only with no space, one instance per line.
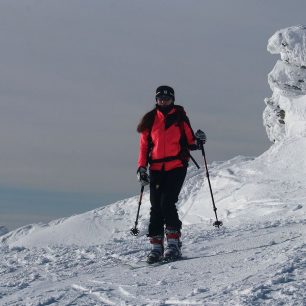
(256,258)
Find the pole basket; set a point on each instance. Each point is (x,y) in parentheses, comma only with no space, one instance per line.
(217,224)
(134,231)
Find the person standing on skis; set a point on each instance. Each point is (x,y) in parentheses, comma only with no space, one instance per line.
(166,137)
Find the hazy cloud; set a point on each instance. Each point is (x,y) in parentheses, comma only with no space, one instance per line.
(76,76)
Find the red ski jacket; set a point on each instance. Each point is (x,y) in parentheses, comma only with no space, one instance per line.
(166,144)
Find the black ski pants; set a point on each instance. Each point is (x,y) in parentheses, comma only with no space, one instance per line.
(165,187)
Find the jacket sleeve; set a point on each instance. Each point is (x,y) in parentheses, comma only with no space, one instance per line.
(189,133)
(143,149)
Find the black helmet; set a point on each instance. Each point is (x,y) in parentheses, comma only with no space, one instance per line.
(165,91)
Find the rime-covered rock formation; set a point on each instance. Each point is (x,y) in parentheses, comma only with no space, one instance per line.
(285,114)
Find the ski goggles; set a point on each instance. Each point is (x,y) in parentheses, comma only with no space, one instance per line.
(163,98)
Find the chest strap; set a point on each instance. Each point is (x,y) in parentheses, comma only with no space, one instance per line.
(171,158)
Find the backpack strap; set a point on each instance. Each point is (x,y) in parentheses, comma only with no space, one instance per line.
(150,142)
(184,146)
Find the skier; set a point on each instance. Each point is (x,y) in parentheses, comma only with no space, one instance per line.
(166,137)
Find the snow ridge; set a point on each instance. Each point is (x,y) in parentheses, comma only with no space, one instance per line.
(3,230)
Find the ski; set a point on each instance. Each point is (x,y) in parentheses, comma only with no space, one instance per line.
(143,264)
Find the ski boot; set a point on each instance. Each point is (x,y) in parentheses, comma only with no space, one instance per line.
(157,250)
(173,249)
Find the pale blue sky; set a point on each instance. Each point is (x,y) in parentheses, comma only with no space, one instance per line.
(76,76)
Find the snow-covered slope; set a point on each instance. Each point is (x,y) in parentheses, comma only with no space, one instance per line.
(244,189)
(91,228)
(3,230)
(256,258)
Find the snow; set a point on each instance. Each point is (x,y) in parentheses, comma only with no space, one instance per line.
(284,115)
(288,78)
(290,43)
(256,258)
(3,230)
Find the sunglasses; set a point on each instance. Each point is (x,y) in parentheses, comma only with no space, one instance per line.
(164,98)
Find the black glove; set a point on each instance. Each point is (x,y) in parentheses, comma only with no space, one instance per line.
(194,147)
(200,138)
(143,176)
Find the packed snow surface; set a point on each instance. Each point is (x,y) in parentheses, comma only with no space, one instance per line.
(258,257)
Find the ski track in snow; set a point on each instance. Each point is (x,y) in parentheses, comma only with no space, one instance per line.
(249,265)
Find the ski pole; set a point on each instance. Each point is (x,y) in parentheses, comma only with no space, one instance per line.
(194,161)
(217,223)
(201,136)
(135,231)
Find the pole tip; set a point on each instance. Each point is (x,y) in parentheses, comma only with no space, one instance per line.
(134,231)
(218,223)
